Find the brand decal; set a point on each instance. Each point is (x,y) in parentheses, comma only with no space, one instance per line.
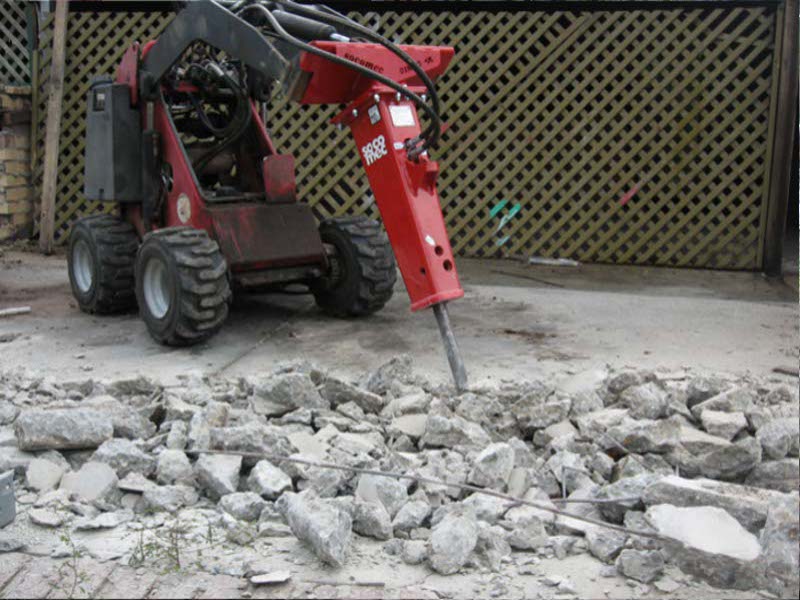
(375,150)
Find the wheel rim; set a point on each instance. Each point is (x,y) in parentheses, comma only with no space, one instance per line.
(156,288)
(82,267)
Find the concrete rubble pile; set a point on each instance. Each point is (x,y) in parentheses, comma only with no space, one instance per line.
(709,463)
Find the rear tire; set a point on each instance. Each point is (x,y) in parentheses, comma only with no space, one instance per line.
(182,286)
(363,271)
(100,260)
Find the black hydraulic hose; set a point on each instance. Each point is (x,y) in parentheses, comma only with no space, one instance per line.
(241,102)
(376,37)
(285,36)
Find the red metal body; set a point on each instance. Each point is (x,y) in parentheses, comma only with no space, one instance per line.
(404,189)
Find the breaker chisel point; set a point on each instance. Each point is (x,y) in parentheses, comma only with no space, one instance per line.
(451,346)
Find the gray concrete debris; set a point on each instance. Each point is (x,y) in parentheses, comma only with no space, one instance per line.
(527,533)
(455,432)
(531,414)
(62,429)
(642,565)
(647,401)
(780,475)
(630,487)
(398,369)
(281,394)
(390,493)
(703,387)
(218,474)
(746,504)
(412,515)
(779,438)
(725,425)
(43,475)
(569,470)
(452,541)
(411,425)
(643,436)
(716,548)
(174,467)
(169,498)
(106,520)
(487,508)
(738,399)
(8,412)
(125,457)
(492,467)
(781,551)
(253,437)
(414,552)
(371,519)
(45,517)
(93,482)
(245,506)
(728,462)
(325,527)
(127,421)
(178,436)
(268,480)
(605,544)
(338,392)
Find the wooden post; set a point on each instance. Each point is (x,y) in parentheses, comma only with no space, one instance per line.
(783,144)
(53,130)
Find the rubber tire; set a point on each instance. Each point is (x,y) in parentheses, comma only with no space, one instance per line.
(367,268)
(197,277)
(112,244)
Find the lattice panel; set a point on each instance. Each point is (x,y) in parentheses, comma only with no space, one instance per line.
(553,118)
(15,61)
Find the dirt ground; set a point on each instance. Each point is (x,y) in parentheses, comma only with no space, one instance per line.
(516,321)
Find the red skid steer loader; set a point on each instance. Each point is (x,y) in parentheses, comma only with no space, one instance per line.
(208,205)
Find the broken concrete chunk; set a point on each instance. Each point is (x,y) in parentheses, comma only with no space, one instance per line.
(174,467)
(781,551)
(716,548)
(218,474)
(95,481)
(128,422)
(338,392)
(252,437)
(371,519)
(322,525)
(531,414)
(644,435)
(492,467)
(398,369)
(414,552)
(780,437)
(412,515)
(385,491)
(281,394)
(647,401)
(605,544)
(43,475)
(443,432)
(487,508)
(268,480)
(107,520)
(411,425)
(569,470)
(527,533)
(629,493)
(725,425)
(642,565)
(703,387)
(780,475)
(8,412)
(125,457)
(746,504)
(727,462)
(46,518)
(452,541)
(738,399)
(245,506)
(178,436)
(62,429)
(169,498)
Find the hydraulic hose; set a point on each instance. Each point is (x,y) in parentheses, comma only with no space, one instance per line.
(434,132)
(431,137)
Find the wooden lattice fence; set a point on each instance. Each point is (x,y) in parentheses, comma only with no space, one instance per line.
(553,118)
(15,58)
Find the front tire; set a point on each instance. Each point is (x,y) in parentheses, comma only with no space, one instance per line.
(363,272)
(100,260)
(181,286)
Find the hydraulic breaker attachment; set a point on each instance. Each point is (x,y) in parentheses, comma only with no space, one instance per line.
(384,126)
